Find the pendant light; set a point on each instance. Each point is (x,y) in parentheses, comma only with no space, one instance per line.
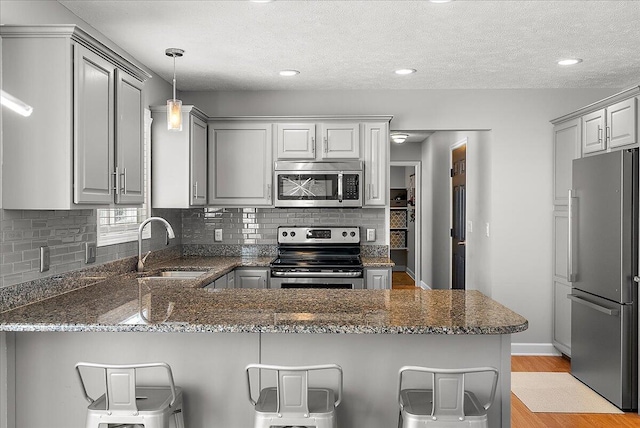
(174,106)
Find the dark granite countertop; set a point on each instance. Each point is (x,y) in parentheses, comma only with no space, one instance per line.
(133,302)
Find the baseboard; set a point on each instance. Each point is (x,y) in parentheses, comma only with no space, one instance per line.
(534,349)
(411,273)
(424,286)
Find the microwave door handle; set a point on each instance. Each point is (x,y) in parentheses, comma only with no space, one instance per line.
(340,186)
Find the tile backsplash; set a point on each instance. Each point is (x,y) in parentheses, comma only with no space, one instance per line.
(258,226)
(66,232)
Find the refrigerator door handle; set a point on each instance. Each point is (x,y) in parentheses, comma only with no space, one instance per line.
(571,273)
(577,299)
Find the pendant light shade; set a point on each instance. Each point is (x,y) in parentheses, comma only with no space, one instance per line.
(174,106)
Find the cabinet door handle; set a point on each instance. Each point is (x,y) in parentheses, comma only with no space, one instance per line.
(599,134)
(608,134)
(268,192)
(313,145)
(124,185)
(116,181)
(195,190)
(326,145)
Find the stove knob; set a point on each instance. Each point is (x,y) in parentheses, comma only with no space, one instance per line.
(284,233)
(344,234)
(353,234)
(293,234)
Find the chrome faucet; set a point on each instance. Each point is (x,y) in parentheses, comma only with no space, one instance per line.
(170,234)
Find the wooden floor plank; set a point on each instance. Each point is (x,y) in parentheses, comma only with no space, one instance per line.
(401,280)
(522,417)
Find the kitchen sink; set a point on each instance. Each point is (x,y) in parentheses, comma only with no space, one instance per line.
(177,274)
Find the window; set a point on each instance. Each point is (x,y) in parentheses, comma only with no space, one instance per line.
(118,225)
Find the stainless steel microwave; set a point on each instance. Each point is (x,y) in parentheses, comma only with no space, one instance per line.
(318,184)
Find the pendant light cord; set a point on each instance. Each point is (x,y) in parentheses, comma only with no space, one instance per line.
(174,77)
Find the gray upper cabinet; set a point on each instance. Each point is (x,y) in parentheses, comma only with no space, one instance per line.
(593,139)
(129,139)
(318,141)
(240,164)
(611,127)
(94,176)
(622,124)
(295,141)
(566,148)
(179,161)
(86,129)
(376,165)
(340,140)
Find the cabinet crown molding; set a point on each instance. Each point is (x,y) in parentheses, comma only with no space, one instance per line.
(620,96)
(320,118)
(78,35)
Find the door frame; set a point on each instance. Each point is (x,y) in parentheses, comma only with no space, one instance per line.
(417,169)
(457,144)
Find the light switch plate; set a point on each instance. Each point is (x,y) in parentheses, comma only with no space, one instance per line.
(217,235)
(44,259)
(371,235)
(90,252)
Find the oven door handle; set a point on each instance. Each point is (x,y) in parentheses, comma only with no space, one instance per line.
(340,177)
(317,274)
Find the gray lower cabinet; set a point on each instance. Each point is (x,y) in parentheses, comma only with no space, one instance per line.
(251,278)
(377,278)
(83,144)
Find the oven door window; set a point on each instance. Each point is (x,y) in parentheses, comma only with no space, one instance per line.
(312,187)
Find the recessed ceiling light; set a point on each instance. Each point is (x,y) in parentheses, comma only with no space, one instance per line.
(570,61)
(289,73)
(399,138)
(405,71)
(440,1)
(261,1)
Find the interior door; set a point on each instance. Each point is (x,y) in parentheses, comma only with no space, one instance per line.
(458,211)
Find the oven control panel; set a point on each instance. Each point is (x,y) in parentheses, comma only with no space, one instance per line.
(318,234)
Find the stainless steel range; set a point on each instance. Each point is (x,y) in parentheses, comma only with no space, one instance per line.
(318,257)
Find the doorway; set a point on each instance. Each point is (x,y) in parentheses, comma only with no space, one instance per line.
(404,222)
(458,214)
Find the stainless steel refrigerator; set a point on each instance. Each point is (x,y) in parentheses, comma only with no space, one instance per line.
(603,261)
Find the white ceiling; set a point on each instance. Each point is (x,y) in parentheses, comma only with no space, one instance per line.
(344,44)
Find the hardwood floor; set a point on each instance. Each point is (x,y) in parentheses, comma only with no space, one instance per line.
(521,417)
(401,280)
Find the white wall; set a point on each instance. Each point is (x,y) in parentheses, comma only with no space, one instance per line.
(437,154)
(520,164)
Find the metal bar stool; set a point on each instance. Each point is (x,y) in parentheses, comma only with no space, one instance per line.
(446,404)
(124,402)
(292,402)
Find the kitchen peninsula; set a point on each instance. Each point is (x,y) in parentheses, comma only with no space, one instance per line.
(208,337)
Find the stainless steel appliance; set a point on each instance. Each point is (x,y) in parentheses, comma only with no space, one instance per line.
(318,184)
(318,257)
(603,261)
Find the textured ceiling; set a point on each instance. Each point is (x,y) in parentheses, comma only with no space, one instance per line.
(241,45)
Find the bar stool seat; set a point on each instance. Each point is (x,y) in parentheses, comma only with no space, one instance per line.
(446,403)
(292,402)
(124,402)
